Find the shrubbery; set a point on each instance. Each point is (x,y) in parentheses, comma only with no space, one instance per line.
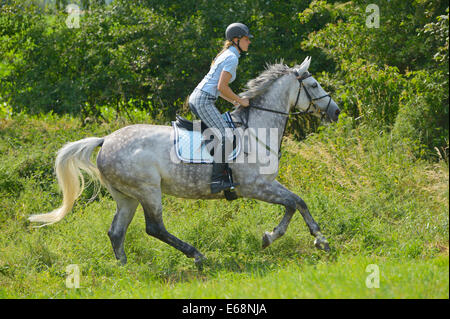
(423,116)
(394,76)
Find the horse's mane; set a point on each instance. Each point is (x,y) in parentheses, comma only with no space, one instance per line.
(261,84)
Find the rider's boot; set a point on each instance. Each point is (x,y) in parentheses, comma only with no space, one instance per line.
(222,178)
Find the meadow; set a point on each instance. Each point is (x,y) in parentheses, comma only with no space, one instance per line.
(375,201)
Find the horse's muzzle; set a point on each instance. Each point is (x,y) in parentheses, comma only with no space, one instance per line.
(333,111)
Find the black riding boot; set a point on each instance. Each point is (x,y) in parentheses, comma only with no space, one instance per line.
(221,178)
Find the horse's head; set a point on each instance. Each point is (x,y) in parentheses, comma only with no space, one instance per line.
(311,97)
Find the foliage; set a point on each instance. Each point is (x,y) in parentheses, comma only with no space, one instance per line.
(398,41)
(386,76)
(117,54)
(149,50)
(438,38)
(423,115)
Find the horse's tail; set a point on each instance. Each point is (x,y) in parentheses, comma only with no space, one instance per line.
(71,158)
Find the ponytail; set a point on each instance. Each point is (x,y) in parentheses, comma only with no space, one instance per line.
(226,45)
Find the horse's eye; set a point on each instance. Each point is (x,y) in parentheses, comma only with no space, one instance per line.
(314,85)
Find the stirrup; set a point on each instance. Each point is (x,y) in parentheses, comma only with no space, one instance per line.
(221,185)
(230,179)
(230,194)
(222,181)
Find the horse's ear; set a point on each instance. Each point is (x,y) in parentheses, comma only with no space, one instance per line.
(304,66)
(309,62)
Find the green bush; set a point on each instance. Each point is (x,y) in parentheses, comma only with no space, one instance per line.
(368,92)
(394,76)
(423,116)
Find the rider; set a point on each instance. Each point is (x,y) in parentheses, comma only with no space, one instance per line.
(214,84)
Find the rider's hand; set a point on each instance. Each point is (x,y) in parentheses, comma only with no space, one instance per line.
(244,102)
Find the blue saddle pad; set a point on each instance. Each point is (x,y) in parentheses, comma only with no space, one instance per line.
(190,149)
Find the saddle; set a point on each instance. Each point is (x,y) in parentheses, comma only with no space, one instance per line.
(190,145)
(185,124)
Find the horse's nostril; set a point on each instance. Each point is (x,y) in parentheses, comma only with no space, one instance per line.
(338,112)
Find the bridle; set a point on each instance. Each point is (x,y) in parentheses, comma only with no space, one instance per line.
(311,100)
(307,111)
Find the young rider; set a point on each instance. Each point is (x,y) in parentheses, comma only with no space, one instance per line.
(214,84)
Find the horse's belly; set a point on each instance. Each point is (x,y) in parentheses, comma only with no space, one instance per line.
(187,181)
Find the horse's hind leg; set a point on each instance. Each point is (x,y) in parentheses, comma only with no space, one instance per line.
(155,226)
(126,208)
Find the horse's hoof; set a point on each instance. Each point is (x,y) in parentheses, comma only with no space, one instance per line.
(199,262)
(123,262)
(322,243)
(266,240)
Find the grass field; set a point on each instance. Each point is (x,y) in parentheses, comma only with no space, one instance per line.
(375,202)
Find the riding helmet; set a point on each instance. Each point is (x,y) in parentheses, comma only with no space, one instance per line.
(237,30)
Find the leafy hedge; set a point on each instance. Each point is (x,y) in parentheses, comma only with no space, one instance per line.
(395,76)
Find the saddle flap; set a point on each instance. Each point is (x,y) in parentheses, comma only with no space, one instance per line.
(190,146)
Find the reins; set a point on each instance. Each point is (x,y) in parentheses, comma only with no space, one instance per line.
(275,111)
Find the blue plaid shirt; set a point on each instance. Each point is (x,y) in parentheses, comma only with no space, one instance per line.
(227,61)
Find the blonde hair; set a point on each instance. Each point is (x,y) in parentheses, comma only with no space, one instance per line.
(226,45)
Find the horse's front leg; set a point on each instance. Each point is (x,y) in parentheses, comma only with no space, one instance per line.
(274,192)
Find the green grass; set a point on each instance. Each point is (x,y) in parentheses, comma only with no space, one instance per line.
(374,201)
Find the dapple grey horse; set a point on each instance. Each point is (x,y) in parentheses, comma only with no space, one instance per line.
(136,166)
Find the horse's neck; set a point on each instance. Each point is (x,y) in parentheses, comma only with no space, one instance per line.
(265,119)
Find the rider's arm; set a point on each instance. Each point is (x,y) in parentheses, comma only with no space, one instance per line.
(225,98)
(226,92)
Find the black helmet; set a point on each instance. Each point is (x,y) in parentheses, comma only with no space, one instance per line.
(237,30)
